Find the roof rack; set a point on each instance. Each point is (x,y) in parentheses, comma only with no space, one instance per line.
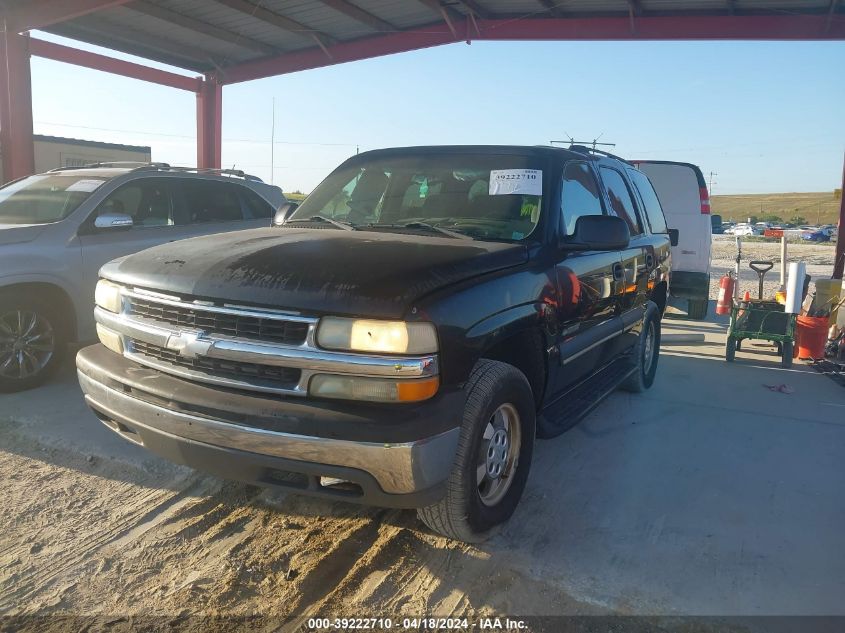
(583,149)
(136,166)
(223,172)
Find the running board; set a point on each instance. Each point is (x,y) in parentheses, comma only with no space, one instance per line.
(565,412)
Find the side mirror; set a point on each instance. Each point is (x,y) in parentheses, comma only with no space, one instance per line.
(598,233)
(674,235)
(113,221)
(284,211)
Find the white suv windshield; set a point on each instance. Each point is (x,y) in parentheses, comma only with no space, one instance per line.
(481,196)
(44,198)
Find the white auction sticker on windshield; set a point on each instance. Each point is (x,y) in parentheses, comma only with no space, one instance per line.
(505,182)
(85,185)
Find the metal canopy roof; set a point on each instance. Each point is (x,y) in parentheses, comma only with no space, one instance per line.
(238,40)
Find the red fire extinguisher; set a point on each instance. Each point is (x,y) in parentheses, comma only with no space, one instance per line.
(726,294)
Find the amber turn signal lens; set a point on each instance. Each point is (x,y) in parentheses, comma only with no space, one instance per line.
(416,390)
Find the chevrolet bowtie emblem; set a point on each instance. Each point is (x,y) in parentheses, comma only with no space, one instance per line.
(189,344)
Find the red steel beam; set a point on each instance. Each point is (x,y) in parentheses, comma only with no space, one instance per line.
(363,48)
(209,123)
(15,107)
(36,14)
(839,258)
(691,27)
(698,27)
(60,53)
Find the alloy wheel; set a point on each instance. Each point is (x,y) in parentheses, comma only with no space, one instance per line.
(498,454)
(27,343)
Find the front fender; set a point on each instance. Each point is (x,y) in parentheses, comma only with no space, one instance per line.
(474,316)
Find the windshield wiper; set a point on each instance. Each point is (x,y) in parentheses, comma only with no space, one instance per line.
(426,226)
(346,226)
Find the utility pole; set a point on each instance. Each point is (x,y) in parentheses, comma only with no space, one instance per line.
(710,186)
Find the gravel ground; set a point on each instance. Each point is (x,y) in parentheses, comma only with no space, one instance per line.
(818,257)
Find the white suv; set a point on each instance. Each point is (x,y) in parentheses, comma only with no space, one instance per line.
(58,228)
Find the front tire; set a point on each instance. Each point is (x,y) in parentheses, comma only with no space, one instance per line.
(32,341)
(646,352)
(493,457)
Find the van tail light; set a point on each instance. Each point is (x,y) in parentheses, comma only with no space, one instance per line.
(705,200)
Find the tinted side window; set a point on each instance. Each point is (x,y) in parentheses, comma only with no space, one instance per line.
(257,207)
(146,201)
(620,199)
(210,201)
(653,210)
(579,195)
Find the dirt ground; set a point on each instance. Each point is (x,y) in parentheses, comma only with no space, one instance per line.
(94,536)
(818,257)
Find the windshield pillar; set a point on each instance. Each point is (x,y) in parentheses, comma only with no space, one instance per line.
(15,107)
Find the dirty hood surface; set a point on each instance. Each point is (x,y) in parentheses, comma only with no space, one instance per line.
(314,271)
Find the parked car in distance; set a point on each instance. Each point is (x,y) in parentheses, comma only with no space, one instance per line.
(744,229)
(684,198)
(58,228)
(815,235)
(402,337)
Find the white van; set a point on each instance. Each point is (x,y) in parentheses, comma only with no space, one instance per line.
(686,204)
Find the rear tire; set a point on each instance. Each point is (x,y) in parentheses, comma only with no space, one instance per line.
(33,341)
(697,308)
(493,457)
(646,351)
(730,349)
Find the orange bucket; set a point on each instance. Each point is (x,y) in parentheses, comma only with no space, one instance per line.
(810,337)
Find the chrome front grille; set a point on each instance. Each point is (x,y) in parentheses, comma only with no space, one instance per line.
(239,347)
(268,376)
(270,328)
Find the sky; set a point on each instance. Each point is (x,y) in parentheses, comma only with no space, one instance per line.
(764,117)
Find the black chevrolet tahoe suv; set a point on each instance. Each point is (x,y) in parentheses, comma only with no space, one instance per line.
(402,337)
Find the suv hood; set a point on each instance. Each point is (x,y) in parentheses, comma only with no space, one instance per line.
(315,271)
(19,233)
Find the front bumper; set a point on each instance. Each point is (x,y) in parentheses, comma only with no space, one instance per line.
(385,455)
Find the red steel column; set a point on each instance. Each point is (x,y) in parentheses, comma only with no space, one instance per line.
(15,106)
(839,258)
(209,123)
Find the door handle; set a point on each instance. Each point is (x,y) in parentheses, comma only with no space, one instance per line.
(618,272)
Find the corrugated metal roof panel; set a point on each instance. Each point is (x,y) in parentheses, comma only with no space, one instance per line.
(137,32)
(403,13)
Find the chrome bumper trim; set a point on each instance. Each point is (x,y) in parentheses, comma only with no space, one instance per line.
(398,468)
(309,359)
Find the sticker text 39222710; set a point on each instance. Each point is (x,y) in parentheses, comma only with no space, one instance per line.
(505,182)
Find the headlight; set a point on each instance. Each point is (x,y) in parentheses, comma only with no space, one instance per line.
(364,335)
(373,389)
(107,296)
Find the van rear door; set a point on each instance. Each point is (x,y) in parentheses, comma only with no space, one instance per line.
(686,204)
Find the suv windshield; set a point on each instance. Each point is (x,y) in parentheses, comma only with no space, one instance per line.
(483,196)
(44,198)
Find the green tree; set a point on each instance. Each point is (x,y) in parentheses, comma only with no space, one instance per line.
(771,218)
(798,219)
